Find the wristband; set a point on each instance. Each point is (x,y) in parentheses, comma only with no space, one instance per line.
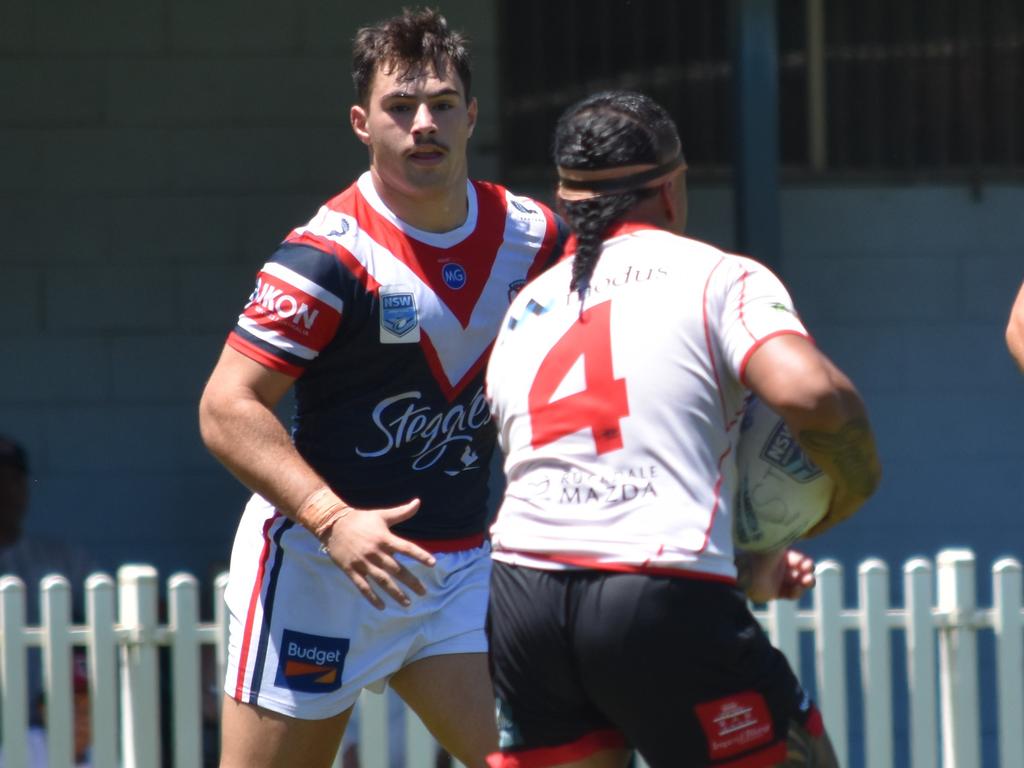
(321,509)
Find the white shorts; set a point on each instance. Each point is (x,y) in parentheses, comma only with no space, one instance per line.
(302,640)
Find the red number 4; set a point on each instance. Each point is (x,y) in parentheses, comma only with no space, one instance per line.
(603,401)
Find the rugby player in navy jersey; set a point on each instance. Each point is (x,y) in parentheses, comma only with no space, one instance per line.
(361,560)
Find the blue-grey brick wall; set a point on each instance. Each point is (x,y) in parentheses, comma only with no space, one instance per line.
(153,153)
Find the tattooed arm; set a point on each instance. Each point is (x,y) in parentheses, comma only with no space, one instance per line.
(823,409)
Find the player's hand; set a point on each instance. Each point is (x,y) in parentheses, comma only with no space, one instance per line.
(362,545)
(797,575)
(780,574)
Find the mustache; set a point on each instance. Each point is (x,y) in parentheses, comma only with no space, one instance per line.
(429,144)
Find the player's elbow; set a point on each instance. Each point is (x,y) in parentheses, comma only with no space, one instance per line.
(214,410)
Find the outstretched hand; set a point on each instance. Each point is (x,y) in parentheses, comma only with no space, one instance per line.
(361,543)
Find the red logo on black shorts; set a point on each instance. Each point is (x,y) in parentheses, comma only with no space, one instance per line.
(735,724)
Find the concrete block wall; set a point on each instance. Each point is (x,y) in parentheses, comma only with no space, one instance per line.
(152,155)
(908,289)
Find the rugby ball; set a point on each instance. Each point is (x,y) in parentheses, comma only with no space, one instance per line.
(780,493)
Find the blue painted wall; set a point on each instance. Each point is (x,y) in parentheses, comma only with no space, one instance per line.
(152,155)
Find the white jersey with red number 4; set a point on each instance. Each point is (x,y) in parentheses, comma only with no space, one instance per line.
(619,417)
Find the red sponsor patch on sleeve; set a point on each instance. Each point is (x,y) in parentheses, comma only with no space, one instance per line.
(291,314)
(735,724)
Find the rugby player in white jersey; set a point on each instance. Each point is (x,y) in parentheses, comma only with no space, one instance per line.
(617,615)
(360,560)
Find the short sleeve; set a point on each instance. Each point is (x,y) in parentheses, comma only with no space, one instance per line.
(754,307)
(294,310)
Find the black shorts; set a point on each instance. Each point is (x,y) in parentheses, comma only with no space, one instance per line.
(677,668)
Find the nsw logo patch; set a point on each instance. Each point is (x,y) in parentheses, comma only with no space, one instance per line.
(399,318)
(784,452)
(311,663)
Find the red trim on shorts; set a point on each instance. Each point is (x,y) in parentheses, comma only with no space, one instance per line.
(450,545)
(543,757)
(814,725)
(250,615)
(759,343)
(763,758)
(646,570)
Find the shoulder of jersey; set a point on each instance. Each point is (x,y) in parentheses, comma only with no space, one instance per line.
(519,206)
(333,223)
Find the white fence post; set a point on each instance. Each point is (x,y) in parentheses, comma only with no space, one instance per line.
(958,659)
(55,602)
(13,680)
(183,592)
(830,655)
(373,730)
(783,631)
(1006,598)
(920,639)
(220,618)
(140,684)
(128,644)
(875,664)
(101,641)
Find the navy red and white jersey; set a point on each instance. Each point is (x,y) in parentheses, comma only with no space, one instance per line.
(387,330)
(619,416)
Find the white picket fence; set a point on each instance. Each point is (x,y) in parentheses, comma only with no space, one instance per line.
(940,620)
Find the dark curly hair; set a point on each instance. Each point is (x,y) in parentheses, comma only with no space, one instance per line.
(606,130)
(412,41)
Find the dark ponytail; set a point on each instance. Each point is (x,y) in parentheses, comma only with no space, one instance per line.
(610,129)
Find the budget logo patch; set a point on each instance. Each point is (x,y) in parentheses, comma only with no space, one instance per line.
(399,320)
(311,663)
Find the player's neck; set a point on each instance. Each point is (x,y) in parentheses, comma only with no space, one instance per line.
(440,211)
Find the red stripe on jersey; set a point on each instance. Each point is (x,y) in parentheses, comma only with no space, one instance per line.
(646,570)
(283,308)
(475,254)
(250,616)
(434,361)
(707,341)
(759,343)
(261,356)
(543,757)
(718,499)
(743,301)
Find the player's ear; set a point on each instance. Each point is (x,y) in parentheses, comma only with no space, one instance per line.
(357,117)
(471,114)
